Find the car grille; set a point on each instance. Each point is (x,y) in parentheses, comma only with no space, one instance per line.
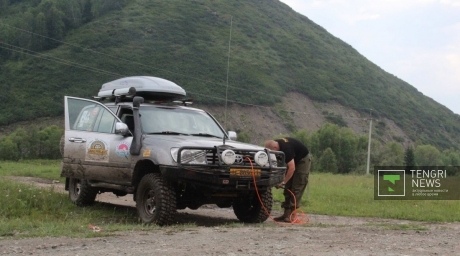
(244,157)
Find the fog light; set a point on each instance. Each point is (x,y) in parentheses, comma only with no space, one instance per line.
(228,156)
(261,158)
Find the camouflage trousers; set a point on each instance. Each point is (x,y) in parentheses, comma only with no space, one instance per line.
(295,187)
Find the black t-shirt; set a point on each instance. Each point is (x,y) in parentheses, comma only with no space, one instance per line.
(293,149)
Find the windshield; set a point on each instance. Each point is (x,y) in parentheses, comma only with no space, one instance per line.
(164,120)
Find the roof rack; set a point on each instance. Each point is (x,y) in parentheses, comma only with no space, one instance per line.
(149,87)
(185,102)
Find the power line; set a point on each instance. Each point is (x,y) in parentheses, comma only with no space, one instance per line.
(132,61)
(274,110)
(97,70)
(70,63)
(51,58)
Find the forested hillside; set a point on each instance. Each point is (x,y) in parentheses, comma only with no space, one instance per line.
(251,52)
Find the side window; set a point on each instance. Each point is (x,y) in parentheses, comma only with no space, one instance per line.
(87,120)
(89,116)
(113,108)
(126,116)
(106,123)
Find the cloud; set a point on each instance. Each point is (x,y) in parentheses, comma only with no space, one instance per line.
(452,3)
(363,15)
(352,11)
(416,40)
(453,66)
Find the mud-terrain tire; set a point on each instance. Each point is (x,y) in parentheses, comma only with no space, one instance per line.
(81,193)
(155,200)
(248,209)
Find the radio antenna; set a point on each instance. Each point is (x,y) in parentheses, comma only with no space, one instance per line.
(228,71)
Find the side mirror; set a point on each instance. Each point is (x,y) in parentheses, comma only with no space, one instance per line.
(232,135)
(121,128)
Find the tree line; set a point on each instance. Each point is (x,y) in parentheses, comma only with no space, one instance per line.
(334,149)
(31,143)
(337,149)
(44,23)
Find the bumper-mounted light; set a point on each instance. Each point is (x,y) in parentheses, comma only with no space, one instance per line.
(261,158)
(228,156)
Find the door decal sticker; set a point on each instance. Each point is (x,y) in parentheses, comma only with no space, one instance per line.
(97,151)
(122,150)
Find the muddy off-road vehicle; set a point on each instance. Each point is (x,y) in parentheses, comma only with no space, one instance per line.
(139,137)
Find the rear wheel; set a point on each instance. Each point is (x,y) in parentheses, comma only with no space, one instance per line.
(249,209)
(155,200)
(81,193)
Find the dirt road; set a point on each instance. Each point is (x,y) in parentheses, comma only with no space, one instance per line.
(213,235)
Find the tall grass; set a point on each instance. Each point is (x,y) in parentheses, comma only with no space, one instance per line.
(48,169)
(29,211)
(353,195)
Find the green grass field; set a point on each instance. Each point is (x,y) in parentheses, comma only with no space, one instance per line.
(353,195)
(30,211)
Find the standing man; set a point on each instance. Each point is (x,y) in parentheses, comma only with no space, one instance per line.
(298,163)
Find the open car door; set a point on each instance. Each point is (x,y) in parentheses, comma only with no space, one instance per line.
(92,143)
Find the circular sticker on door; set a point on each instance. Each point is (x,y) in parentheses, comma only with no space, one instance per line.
(122,150)
(97,151)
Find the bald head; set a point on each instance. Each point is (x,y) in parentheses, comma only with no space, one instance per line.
(272,145)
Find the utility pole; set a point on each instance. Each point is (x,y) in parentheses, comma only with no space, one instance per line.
(369,144)
(228,70)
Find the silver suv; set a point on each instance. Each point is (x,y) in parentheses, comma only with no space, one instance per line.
(139,137)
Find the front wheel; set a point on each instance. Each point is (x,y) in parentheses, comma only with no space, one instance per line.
(250,209)
(81,193)
(155,200)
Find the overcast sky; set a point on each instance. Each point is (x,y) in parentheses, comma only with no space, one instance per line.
(416,40)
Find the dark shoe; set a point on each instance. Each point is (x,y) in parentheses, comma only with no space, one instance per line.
(279,218)
(286,214)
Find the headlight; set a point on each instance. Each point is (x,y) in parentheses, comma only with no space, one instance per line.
(189,156)
(228,156)
(261,158)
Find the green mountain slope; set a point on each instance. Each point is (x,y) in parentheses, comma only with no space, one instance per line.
(49,49)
